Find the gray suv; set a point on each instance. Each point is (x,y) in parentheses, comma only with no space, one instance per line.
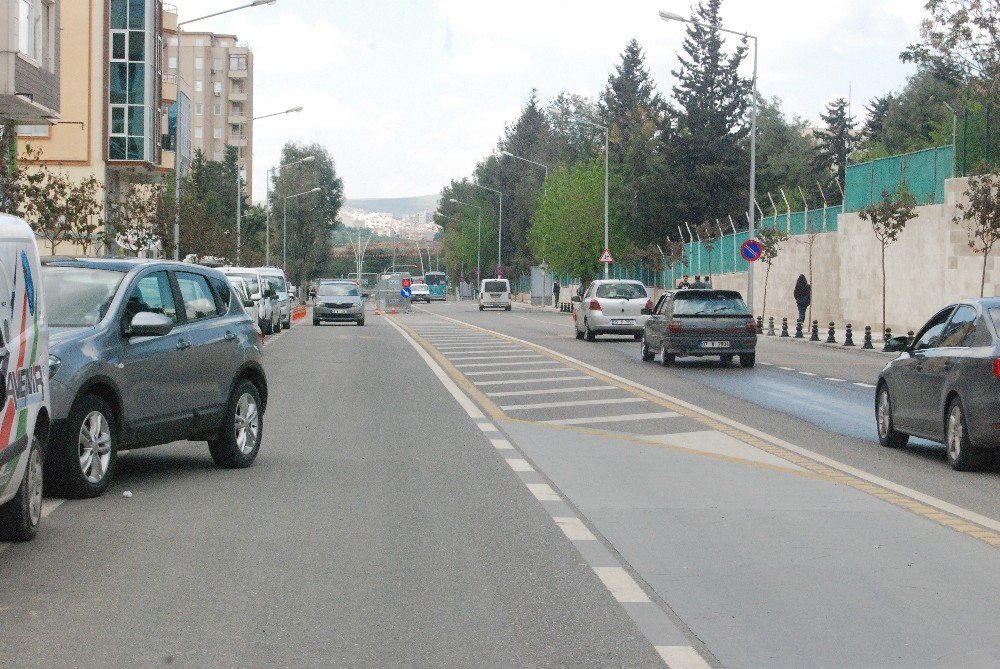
(144,353)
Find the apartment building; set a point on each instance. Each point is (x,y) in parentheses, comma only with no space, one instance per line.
(216,72)
(29,61)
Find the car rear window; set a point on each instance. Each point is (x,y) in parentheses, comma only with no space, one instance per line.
(337,290)
(496,287)
(697,303)
(621,291)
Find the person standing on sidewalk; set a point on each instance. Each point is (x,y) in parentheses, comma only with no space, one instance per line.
(803,296)
(555,294)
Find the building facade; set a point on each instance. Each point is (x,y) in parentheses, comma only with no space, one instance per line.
(216,72)
(29,61)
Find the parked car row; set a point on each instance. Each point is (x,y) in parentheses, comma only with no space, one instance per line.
(270,293)
(101,356)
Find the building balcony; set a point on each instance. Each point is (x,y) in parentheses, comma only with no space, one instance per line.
(169,89)
(237,119)
(238,74)
(169,19)
(238,96)
(236,140)
(167,160)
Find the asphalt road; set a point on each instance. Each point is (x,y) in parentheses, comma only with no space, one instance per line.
(379,527)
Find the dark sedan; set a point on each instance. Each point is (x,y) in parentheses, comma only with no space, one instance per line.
(700,323)
(945,384)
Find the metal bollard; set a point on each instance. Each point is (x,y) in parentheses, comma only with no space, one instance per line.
(886,337)
(760,325)
(830,336)
(849,336)
(770,326)
(815,331)
(868,339)
(784,327)
(798,330)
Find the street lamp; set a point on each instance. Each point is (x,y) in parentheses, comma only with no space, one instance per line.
(672,16)
(177,128)
(284,244)
(607,266)
(239,178)
(479,236)
(499,225)
(267,192)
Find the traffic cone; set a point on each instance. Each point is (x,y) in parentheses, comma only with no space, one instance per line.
(377,312)
(392,312)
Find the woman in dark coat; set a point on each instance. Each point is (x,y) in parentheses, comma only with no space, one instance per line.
(803,296)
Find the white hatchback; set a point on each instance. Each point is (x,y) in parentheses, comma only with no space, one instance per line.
(612,306)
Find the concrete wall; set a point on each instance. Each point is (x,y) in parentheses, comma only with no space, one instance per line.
(929,265)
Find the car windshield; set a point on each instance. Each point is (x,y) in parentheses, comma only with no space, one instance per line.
(420,288)
(495,287)
(251,280)
(688,303)
(276,282)
(78,297)
(435,279)
(337,290)
(621,291)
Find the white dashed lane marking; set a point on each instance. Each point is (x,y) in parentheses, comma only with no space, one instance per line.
(501,444)
(520,465)
(864,385)
(622,586)
(682,657)
(576,403)
(835,380)
(574,529)
(543,492)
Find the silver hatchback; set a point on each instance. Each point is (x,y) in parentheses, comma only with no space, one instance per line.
(612,306)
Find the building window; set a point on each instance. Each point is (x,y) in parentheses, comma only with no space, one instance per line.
(217,64)
(26,19)
(217,133)
(41,130)
(199,109)
(199,86)
(238,61)
(173,41)
(131,66)
(172,63)
(218,109)
(199,132)
(199,63)
(199,42)
(217,87)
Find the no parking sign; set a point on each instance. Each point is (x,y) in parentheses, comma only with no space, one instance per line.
(752,250)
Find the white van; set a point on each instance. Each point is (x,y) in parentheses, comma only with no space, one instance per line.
(494,294)
(24,370)
(265,298)
(275,276)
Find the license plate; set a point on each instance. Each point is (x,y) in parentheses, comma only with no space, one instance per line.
(623,321)
(714,344)
(341,311)
(495,295)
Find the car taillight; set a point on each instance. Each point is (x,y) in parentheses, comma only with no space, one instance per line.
(649,304)
(594,305)
(996,368)
(673,327)
(751,326)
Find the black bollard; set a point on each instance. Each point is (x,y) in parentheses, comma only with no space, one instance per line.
(815,331)
(770,326)
(849,336)
(868,339)
(798,330)
(830,336)
(886,337)
(760,325)
(784,327)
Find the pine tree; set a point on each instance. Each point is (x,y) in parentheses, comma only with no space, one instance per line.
(878,112)
(709,149)
(836,142)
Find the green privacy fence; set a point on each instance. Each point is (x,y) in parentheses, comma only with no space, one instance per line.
(923,171)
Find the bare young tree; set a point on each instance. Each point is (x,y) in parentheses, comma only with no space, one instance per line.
(981,216)
(888,218)
(770,240)
(708,233)
(133,219)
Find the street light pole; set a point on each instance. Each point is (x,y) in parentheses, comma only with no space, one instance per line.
(267,192)
(607,266)
(499,226)
(479,237)
(284,244)
(671,16)
(177,125)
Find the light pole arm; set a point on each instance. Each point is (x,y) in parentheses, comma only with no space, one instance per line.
(255,3)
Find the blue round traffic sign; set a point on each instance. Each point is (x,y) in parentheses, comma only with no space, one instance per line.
(752,250)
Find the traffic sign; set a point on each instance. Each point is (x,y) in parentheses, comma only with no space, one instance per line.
(752,250)
(499,272)
(606,257)
(406,292)
(407,281)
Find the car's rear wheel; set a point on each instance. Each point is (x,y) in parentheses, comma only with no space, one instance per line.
(239,437)
(727,358)
(315,321)
(887,434)
(666,359)
(588,334)
(578,332)
(20,517)
(647,355)
(962,455)
(638,336)
(748,360)
(82,457)
(361,321)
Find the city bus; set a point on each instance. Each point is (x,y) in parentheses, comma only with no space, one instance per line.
(437,282)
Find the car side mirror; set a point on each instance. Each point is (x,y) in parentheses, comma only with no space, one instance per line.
(647,312)
(248,303)
(271,294)
(149,324)
(575,298)
(256,296)
(897,344)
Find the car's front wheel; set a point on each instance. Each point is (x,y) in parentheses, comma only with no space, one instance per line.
(588,334)
(20,517)
(666,359)
(242,427)
(962,455)
(887,434)
(748,360)
(82,458)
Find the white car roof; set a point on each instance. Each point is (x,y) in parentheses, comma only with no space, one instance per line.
(14,228)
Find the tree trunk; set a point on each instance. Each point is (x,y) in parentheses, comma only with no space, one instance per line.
(767,275)
(883,290)
(982,283)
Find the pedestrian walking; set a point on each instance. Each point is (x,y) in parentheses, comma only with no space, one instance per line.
(803,296)
(697,282)
(708,282)
(555,293)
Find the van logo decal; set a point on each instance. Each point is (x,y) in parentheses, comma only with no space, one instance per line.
(26,386)
(29,283)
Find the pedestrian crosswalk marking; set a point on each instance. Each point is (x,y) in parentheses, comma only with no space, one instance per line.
(551,391)
(612,419)
(553,379)
(575,403)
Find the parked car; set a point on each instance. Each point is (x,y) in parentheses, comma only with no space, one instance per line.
(945,385)
(275,278)
(25,415)
(145,353)
(338,301)
(700,323)
(611,306)
(261,292)
(420,292)
(494,294)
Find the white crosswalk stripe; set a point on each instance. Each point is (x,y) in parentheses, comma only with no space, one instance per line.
(572,403)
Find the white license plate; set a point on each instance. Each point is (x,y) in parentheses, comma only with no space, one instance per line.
(714,344)
(623,321)
(495,296)
(341,311)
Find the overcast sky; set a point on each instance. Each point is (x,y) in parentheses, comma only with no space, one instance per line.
(407,94)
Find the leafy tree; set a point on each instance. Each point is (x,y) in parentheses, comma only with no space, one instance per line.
(708,233)
(770,240)
(708,139)
(570,140)
(785,150)
(878,111)
(10,169)
(133,218)
(981,216)
(836,142)
(888,217)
